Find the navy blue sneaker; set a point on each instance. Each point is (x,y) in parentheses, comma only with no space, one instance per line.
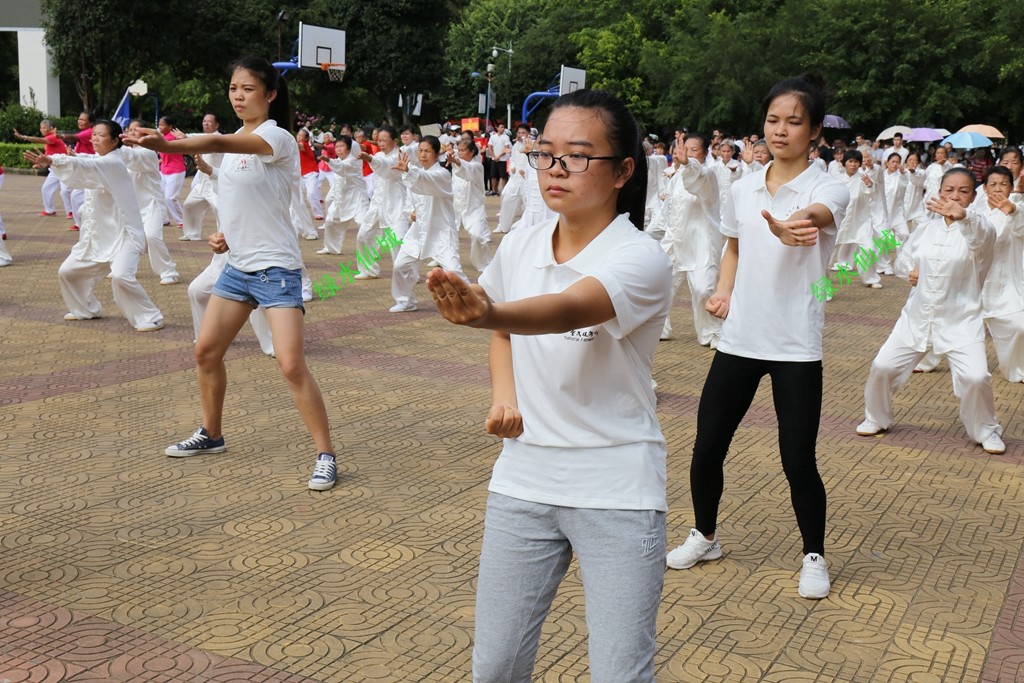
(200,442)
(325,474)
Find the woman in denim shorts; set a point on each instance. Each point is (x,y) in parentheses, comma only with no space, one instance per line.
(256,180)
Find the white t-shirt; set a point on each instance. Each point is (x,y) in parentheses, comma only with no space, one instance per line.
(255,193)
(591,437)
(501,145)
(773,313)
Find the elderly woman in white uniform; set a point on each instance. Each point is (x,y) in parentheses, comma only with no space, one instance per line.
(144,168)
(347,196)
(112,237)
(467,184)
(388,203)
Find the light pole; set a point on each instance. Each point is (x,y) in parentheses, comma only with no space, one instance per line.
(487,106)
(508,105)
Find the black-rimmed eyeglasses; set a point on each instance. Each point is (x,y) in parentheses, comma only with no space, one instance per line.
(572,163)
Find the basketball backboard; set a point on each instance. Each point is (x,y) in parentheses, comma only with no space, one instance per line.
(572,80)
(319,45)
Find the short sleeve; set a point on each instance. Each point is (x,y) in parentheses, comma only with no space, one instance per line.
(834,196)
(638,279)
(492,279)
(730,226)
(279,140)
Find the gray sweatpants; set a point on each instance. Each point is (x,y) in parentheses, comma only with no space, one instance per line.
(526,551)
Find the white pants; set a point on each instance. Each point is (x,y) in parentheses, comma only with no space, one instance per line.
(702,284)
(406,273)
(971,382)
(845,254)
(77,199)
(334,234)
(312,183)
(302,219)
(194,213)
(5,256)
(172,183)
(159,256)
(511,203)
(479,245)
(367,236)
(1008,338)
(199,292)
(78,279)
(51,186)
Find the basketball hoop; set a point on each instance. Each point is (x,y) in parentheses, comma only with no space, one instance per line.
(335,71)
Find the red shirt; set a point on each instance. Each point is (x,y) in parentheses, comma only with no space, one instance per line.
(54,145)
(370,149)
(307,158)
(83,144)
(171,163)
(327,152)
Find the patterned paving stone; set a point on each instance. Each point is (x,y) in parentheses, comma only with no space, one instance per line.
(119,564)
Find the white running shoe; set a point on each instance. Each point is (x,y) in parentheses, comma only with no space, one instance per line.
(994,444)
(814,583)
(403,308)
(695,549)
(869,428)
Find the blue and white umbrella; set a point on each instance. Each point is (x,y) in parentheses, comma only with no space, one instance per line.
(964,140)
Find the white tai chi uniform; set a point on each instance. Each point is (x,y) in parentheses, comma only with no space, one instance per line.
(513,197)
(536,210)
(432,235)
(200,290)
(387,207)
(855,231)
(656,165)
(726,176)
(348,201)
(944,312)
(1002,297)
(895,186)
(144,168)
(202,197)
(913,198)
(111,241)
(172,184)
(468,186)
(690,218)
(932,179)
(302,219)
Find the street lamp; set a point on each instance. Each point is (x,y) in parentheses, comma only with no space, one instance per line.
(494,53)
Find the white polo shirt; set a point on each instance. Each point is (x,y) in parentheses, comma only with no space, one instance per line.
(591,437)
(255,193)
(773,313)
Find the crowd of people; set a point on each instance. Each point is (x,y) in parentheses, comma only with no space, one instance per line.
(577,297)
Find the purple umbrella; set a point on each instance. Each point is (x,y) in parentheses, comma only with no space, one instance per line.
(924,135)
(833,121)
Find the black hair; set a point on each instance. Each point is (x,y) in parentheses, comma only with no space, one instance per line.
(624,136)
(472,145)
(169,120)
(264,71)
(699,136)
(894,154)
(958,170)
(434,143)
(89,116)
(1011,150)
(390,130)
(809,89)
(346,140)
(113,127)
(138,121)
(999,170)
(213,114)
(897,134)
(523,126)
(407,128)
(913,154)
(853,154)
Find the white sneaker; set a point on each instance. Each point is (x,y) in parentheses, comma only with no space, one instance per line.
(695,549)
(994,444)
(312,237)
(875,285)
(403,308)
(364,276)
(869,428)
(888,271)
(169,281)
(814,583)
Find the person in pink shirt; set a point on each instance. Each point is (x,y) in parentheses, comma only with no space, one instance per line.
(172,170)
(83,145)
(49,137)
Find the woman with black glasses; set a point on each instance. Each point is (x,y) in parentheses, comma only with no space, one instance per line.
(576,304)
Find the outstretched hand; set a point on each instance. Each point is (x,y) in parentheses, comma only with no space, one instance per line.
(36,158)
(150,138)
(946,208)
(458,301)
(403,162)
(798,233)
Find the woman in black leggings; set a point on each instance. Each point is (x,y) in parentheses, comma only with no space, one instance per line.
(772,296)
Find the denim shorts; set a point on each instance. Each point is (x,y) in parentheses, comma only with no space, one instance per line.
(271,288)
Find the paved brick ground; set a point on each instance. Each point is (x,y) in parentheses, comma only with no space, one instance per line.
(119,564)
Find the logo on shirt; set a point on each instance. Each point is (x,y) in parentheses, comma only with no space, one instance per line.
(580,335)
(245,163)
